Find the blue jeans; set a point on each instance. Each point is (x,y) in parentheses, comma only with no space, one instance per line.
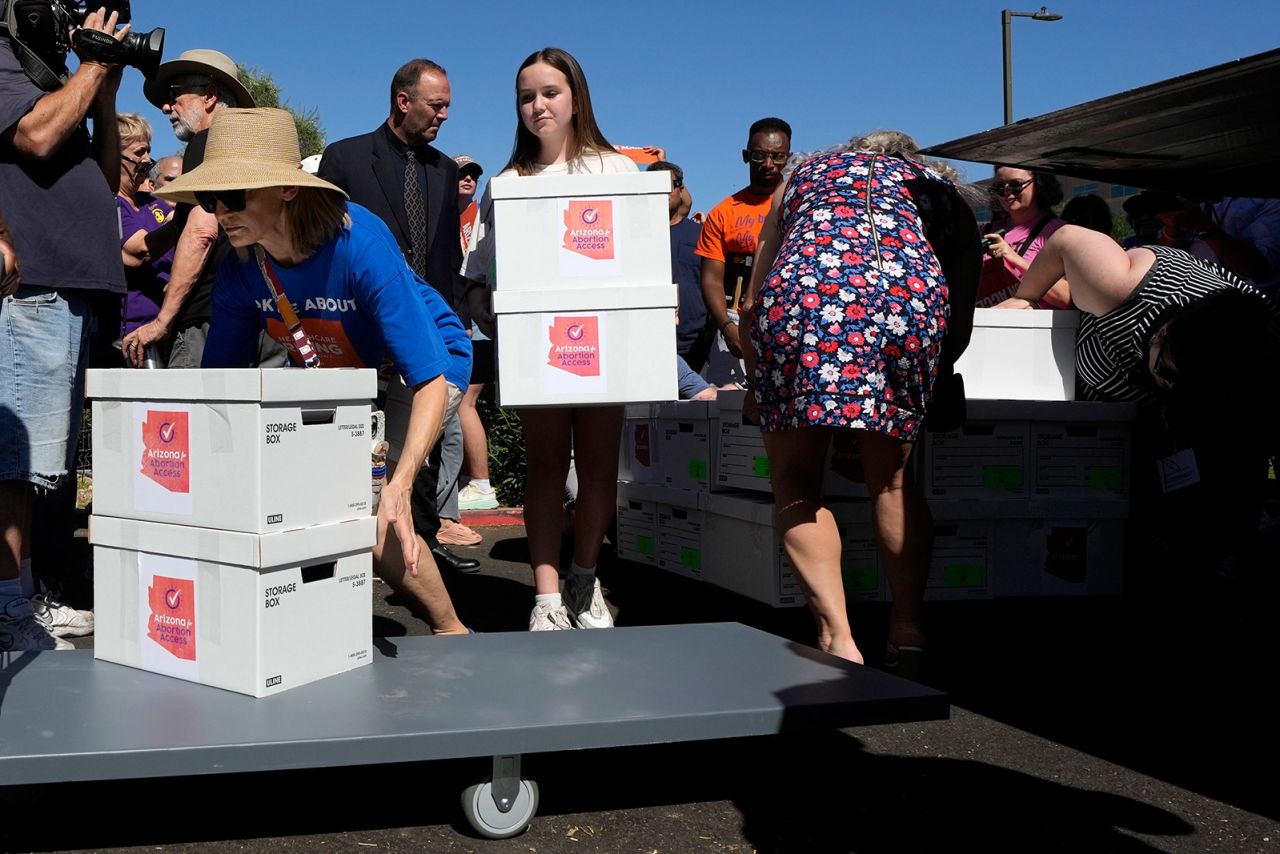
(43,348)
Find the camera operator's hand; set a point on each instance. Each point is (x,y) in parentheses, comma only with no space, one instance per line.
(12,273)
(135,344)
(99,21)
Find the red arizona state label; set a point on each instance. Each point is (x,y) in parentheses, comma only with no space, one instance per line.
(172,623)
(589,229)
(575,345)
(166,450)
(642,445)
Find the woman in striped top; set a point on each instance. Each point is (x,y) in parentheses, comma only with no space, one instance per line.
(1159,319)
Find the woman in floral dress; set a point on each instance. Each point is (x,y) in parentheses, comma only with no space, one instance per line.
(849,313)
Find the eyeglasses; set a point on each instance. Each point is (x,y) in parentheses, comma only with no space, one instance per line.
(1012,188)
(779,158)
(176,90)
(232,200)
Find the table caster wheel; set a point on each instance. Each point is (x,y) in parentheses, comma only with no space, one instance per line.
(491,822)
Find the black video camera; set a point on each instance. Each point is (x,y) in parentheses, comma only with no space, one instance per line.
(50,28)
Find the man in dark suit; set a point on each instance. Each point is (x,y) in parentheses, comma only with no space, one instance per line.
(397,174)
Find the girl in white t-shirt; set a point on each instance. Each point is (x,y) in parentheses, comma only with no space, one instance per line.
(556,133)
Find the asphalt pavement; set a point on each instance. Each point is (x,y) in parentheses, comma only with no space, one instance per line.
(1078,725)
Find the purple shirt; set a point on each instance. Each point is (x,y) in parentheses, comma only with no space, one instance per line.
(146,283)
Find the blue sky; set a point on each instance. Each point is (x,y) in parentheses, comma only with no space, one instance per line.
(693,76)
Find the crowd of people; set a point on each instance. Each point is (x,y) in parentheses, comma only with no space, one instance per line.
(839,287)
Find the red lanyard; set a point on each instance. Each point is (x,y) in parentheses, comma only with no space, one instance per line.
(310,358)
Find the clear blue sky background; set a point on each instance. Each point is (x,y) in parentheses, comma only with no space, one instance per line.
(691,76)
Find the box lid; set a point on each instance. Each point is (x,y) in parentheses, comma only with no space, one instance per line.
(1001,509)
(276,385)
(731,399)
(1051,410)
(1021,319)
(662,494)
(592,297)
(687,410)
(563,186)
(637,411)
(255,551)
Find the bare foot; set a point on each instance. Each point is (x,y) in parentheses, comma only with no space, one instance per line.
(844,648)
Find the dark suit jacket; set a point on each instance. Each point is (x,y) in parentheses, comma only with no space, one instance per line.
(372,173)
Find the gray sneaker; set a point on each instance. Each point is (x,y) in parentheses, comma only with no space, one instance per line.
(585,601)
(548,618)
(60,619)
(20,631)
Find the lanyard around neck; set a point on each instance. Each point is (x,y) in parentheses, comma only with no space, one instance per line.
(310,358)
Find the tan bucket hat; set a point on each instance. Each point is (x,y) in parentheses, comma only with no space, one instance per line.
(246,150)
(210,63)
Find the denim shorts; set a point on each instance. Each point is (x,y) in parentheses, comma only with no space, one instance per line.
(43,346)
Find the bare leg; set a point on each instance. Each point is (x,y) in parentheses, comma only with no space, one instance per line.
(597,432)
(426,590)
(808,531)
(904,531)
(546,437)
(475,444)
(1101,273)
(15,526)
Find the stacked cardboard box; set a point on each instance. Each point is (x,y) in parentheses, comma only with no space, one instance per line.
(583,291)
(231,528)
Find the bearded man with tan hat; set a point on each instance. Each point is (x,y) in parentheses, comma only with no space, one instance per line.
(190,91)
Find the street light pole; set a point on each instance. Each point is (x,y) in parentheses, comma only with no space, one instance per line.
(1006,21)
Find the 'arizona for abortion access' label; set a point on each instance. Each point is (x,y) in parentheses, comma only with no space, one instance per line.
(172,623)
(162,443)
(576,359)
(590,243)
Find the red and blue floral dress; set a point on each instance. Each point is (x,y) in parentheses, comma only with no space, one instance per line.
(849,323)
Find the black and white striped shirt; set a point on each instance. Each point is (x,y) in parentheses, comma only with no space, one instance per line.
(1111,350)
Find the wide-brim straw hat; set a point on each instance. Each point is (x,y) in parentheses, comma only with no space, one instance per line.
(247,150)
(208,63)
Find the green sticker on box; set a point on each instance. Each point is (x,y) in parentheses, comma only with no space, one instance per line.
(691,558)
(1002,477)
(698,469)
(964,575)
(1106,477)
(760,466)
(861,578)
(644,545)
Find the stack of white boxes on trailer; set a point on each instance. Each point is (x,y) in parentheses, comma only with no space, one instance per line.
(694,498)
(1028,499)
(232,531)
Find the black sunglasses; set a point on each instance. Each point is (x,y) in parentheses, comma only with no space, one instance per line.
(232,200)
(1014,187)
(175,90)
(779,158)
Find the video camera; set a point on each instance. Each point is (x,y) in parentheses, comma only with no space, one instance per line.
(48,29)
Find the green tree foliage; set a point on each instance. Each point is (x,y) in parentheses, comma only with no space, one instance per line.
(266,93)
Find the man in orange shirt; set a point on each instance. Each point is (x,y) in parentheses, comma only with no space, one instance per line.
(728,243)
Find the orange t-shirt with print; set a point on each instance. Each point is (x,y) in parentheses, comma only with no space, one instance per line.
(730,232)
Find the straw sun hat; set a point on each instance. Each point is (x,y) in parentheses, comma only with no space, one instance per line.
(246,150)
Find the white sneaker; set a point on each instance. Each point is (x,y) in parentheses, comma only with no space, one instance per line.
(549,618)
(472,497)
(585,601)
(21,632)
(60,619)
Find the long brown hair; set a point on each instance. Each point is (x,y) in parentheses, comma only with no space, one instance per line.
(587,136)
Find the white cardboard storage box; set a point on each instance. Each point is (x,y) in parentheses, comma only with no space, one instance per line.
(745,555)
(964,544)
(1082,450)
(582,231)
(681,517)
(638,455)
(741,461)
(688,437)
(986,458)
(251,613)
(1061,548)
(254,450)
(579,347)
(1021,355)
(637,530)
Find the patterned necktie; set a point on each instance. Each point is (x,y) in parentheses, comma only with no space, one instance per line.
(415,210)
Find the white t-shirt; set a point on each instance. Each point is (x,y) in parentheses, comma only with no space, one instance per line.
(478,265)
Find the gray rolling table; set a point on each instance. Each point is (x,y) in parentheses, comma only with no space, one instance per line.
(65,717)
